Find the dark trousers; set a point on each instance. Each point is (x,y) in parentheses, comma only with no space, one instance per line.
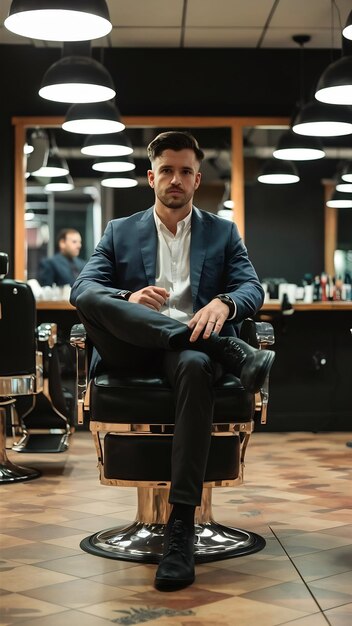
(133,338)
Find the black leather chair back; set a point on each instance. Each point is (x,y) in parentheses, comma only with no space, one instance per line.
(17,328)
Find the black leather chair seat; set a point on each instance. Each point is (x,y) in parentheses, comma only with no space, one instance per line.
(153,401)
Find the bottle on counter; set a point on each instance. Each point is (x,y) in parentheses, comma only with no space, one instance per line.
(347,287)
(317,289)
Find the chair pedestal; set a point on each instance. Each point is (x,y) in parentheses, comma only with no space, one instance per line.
(142,541)
(10,473)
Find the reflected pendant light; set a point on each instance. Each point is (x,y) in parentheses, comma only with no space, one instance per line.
(114,164)
(97,118)
(347,31)
(293,147)
(316,119)
(63,20)
(275,172)
(115,144)
(61,183)
(54,167)
(344,187)
(119,182)
(340,201)
(346,173)
(77,78)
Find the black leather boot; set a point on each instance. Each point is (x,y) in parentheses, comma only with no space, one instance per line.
(176,568)
(249,364)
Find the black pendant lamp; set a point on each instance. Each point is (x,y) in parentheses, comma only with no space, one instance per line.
(335,83)
(293,147)
(346,173)
(277,172)
(77,77)
(93,119)
(347,31)
(318,119)
(340,200)
(116,144)
(114,164)
(59,20)
(61,183)
(123,181)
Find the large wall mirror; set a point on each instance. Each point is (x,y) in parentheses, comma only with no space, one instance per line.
(278,222)
(41,212)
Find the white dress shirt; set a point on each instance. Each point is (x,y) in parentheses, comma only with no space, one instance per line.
(173,268)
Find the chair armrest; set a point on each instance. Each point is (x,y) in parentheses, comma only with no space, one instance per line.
(259,335)
(78,339)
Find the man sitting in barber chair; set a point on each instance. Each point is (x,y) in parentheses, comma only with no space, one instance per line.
(167,288)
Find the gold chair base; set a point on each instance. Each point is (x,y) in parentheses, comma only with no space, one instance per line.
(142,541)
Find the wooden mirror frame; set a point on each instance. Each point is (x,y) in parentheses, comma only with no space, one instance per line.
(236,125)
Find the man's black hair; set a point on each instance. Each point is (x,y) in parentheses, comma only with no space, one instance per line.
(63,233)
(174,140)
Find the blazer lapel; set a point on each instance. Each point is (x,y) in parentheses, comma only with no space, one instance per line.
(148,244)
(200,237)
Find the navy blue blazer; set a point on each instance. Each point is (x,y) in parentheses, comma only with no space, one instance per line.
(125,258)
(60,270)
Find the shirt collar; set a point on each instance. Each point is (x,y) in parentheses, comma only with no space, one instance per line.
(185,223)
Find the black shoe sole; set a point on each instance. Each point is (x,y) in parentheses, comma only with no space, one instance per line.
(254,384)
(169,584)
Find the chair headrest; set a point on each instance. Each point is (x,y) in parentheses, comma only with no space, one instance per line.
(4,264)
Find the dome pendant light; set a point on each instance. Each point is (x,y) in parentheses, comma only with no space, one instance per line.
(347,31)
(116,144)
(318,119)
(97,118)
(77,78)
(346,173)
(276,172)
(340,201)
(61,183)
(335,84)
(114,164)
(64,20)
(293,147)
(120,182)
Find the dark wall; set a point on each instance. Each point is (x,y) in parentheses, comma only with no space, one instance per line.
(199,82)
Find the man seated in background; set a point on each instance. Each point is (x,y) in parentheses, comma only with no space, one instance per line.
(64,267)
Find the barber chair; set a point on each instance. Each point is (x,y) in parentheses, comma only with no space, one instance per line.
(131,419)
(21,365)
(42,422)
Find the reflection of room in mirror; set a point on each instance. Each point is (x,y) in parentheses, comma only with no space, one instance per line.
(89,205)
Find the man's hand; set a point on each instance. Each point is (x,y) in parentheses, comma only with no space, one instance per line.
(153,297)
(210,318)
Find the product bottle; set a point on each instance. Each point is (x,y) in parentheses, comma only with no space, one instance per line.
(317,289)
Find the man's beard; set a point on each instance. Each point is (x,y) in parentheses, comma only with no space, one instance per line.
(177,202)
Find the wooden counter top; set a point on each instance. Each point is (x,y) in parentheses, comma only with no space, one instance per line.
(51,305)
(274,305)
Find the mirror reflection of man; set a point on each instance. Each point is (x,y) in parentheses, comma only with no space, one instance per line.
(64,267)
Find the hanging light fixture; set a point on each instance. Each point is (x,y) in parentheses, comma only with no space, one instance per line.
(317,119)
(276,172)
(61,183)
(340,201)
(293,147)
(91,119)
(347,31)
(335,84)
(119,182)
(114,164)
(344,187)
(116,144)
(346,173)
(77,78)
(53,167)
(64,20)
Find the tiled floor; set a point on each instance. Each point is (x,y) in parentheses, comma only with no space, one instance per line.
(297,493)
